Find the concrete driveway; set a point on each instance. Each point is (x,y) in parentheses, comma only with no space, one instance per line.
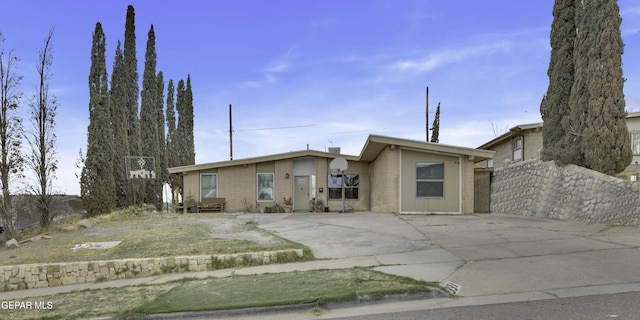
(485,254)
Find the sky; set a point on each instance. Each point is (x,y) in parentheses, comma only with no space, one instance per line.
(312,73)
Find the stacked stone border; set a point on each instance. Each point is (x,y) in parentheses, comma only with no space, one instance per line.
(544,189)
(41,275)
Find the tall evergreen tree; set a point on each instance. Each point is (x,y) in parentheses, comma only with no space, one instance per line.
(190,140)
(96,181)
(148,114)
(163,174)
(435,134)
(555,104)
(180,139)
(171,142)
(574,124)
(184,132)
(119,116)
(605,144)
(131,98)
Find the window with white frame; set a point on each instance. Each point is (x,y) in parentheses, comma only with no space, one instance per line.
(265,187)
(208,186)
(635,143)
(430,179)
(517,148)
(351,186)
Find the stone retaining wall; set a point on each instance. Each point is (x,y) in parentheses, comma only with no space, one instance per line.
(27,276)
(543,189)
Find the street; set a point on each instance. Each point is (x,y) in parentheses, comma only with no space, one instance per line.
(611,306)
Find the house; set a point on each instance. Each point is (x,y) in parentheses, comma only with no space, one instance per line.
(633,125)
(390,175)
(524,142)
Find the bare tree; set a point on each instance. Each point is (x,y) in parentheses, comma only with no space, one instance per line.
(42,158)
(10,136)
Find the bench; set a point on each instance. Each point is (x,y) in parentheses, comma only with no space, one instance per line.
(211,205)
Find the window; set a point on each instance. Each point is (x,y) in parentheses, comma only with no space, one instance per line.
(208,186)
(429,180)
(635,143)
(351,185)
(265,187)
(517,148)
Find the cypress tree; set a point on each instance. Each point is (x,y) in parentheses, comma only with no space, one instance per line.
(574,124)
(162,145)
(131,90)
(191,149)
(118,109)
(96,181)
(179,139)
(131,81)
(172,154)
(185,147)
(435,136)
(555,104)
(148,114)
(605,143)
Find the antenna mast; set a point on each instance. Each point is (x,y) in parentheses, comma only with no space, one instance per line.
(230,136)
(427,122)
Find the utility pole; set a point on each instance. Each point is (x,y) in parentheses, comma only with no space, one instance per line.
(427,122)
(230,136)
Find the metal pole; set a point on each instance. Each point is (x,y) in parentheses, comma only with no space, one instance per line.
(230,136)
(342,184)
(427,122)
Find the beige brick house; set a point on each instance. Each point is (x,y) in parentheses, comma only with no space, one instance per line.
(390,175)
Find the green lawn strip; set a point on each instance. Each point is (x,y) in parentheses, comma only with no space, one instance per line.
(281,289)
(221,294)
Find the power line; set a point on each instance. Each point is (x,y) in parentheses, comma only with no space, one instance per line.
(276,128)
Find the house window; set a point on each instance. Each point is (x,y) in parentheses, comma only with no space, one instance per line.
(265,187)
(430,179)
(208,186)
(351,186)
(517,148)
(635,143)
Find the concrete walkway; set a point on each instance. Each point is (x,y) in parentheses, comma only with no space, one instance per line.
(489,256)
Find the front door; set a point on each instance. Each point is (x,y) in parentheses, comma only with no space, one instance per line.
(301,196)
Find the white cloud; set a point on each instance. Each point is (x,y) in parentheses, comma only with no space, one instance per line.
(449,56)
(281,64)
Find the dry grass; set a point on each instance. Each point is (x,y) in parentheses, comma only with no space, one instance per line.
(142,235)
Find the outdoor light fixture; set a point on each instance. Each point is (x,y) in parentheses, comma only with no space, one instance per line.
(286,175)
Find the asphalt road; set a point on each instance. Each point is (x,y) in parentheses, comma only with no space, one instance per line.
(622,306)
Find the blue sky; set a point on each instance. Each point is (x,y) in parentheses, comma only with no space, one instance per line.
(323,73)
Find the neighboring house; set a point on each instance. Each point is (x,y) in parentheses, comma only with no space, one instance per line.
(633,125)
(524,142)
(390,175)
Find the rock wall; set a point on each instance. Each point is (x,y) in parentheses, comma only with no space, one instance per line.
(29,276)
(543,189)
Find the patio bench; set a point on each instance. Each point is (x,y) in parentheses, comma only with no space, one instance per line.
(211,205)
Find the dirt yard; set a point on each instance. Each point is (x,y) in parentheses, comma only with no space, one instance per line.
(149,235)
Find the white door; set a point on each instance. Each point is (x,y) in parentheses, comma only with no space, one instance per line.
(301,196)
